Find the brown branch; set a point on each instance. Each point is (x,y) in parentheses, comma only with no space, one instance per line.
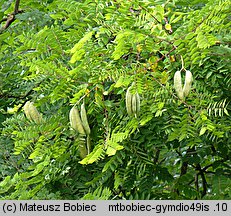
(3,20)
(210,165)
(197,183)
(150,14)
(164,56)
(204,182)
(184,166)
(11,17)
(210,172)
(16,7)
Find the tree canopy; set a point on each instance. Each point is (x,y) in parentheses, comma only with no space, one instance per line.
(60,54)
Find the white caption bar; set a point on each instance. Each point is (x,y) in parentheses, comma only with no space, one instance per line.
(116,208)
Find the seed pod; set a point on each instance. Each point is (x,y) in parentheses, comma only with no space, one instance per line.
(137,103)
(75,120)
(34,114)
(178,85)
(84,120)
(187,83)
(88,144)
(26,110)
(82,147)
(129,101)
(134,104)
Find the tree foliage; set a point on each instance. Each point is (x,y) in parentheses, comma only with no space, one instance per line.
(61,53)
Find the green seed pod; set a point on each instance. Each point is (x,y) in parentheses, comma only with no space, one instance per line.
(88,144)
(187,83)
(129,101)
(34,114)
(82,147)
(26,110)
(84,119)
(178,85)
(75,120)
(137,103)
(134,104)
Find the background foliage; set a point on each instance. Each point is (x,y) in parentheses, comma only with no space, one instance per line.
(59,53)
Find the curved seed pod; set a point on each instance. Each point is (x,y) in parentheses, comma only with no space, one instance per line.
(187,82)
(84,120)
(134,104)
(82,147)
(34,114)
(26,110)
(137,103)
(88,144)
(178,85)
(129,101)
(75,120)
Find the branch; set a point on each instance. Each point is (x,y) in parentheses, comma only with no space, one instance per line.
(204,182)
(16,7)
(164,56)
(9,20)
(11,17)
(196,182)
(3,20)
(210,165)
(184,166)
(159,22)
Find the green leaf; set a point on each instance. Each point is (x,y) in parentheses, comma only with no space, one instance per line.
(82,42)
(80,48)
(202,131)
(112,147)
(94,156)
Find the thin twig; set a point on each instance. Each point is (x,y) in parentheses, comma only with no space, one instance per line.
(164,56)
(182,62)
(83,96)
(210,165)
(150,14)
